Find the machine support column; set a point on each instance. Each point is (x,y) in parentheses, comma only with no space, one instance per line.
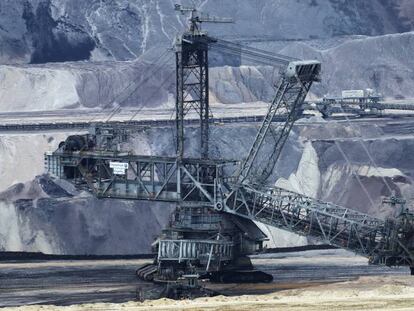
(179,105)
(204,105)
(192,89)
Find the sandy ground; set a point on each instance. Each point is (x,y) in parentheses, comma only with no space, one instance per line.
(310,280)
(365,293)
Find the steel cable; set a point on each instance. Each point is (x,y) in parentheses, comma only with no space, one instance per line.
(373,163)
(259,52)
(138,86)
(153,93)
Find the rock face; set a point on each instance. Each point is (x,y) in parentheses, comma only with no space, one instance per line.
(353,164)
(349,63)
(22,156)
(359,62)
(127,41)
(40,31)
(85,85)
(41,216)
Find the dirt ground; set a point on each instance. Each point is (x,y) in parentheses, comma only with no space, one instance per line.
(365,293)
(308,280)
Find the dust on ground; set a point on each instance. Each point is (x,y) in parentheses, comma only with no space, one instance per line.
(365,293)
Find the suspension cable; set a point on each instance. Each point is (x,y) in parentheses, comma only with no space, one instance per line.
(249,57)
(268,58)
(250,49)
(118,109)
(373,163)
(149,75)
(348,161)
(167,79)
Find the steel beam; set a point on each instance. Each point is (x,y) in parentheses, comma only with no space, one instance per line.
(192,89)
(291,92)
(379,240)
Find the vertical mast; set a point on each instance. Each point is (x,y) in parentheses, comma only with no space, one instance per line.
(192,76)
(192,88)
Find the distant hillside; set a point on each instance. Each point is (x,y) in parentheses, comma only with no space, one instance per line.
(40,31)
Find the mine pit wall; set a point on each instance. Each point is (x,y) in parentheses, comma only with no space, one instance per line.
(37,214)
(55,30)
(22,155)
(34,217)
(348,63)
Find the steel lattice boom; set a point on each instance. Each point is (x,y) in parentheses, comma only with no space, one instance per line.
(291,92)
(383,242)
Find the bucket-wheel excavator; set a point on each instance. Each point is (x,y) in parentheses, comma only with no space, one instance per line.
(218,201)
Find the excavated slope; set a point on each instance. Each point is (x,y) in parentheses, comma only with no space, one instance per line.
(41,31)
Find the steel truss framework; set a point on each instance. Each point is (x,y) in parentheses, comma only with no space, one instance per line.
(214,183)
(290,94)
(165,179)
(192,88)
(383,242)
(147,177)
(360,107)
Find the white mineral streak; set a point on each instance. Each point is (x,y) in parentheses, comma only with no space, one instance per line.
(10,239)
(306,179)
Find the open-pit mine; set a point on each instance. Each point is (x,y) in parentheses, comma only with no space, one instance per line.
(149,164)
